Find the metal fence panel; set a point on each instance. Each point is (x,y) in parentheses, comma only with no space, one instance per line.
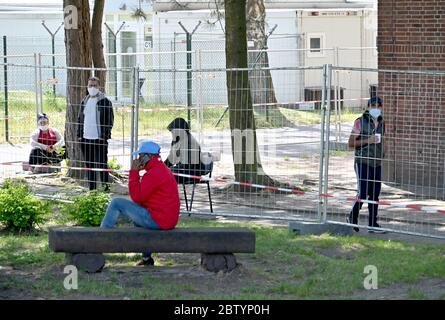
(412,181)
(301,137)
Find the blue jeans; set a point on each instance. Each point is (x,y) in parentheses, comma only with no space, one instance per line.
(137,214)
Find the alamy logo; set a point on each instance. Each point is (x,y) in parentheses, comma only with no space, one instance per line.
(70,281)
(371,280)
(71,17)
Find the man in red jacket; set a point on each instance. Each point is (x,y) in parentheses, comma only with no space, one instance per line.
(155,197)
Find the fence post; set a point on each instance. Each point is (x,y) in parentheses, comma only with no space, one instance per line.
(189,77)
(322,145)
(40,82)
(328,132)
(132,134)
(36,83)
(174,67)
(133,105)
(53,50)
(5,75)
(136,123)
(337,106)
(115,54)
(189,68)
(199,104)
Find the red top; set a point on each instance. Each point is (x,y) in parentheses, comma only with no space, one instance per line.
(47,137)
(357,127)
(157,191)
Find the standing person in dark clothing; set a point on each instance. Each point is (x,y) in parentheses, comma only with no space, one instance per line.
(367,139)
(95,122)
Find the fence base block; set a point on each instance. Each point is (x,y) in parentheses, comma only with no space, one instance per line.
(315,228)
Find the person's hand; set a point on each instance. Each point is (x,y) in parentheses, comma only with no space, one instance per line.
(136,165)
(50,149)
(373,140)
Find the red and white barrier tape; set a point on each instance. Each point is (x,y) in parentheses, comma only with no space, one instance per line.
(316,194)
(20,163)
(259,186)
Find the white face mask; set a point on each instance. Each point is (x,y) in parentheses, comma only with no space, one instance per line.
(93,91)
(43,128)
(375,112)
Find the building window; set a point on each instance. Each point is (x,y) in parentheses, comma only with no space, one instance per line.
(316,45)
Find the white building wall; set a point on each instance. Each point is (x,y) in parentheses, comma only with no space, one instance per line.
(344,32)
(25,35)
(168,35)
(344,36)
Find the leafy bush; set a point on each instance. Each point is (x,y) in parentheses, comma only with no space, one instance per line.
(88,209)
(114,165)
(19,208)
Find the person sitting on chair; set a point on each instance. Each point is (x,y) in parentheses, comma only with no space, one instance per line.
(47,144)
(185,152)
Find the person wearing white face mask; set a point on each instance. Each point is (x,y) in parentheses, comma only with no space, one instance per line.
(95,123)
(367,138)
(47,144)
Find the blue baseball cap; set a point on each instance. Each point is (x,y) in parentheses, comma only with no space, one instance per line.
(147,147)
(375,100)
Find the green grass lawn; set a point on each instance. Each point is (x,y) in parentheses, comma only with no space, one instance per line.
(285,266)
(314,117)
(21,106)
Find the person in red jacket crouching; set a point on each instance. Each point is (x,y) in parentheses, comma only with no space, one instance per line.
(155,198)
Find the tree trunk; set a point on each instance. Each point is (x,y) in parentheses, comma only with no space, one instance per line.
(78,54)
(97,47)
(245,152)
(261,83)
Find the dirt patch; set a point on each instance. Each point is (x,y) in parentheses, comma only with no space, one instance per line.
(185,273)
(426,289)
(336,253)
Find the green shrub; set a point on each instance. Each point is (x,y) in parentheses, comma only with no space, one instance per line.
(113,164)
(88,209)
(19,208)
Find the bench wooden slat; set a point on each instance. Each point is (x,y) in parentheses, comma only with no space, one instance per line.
(180,240)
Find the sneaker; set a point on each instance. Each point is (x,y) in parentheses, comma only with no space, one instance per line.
(348,220)
(375,230)
(146,262)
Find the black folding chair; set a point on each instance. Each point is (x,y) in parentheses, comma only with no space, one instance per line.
(208,168)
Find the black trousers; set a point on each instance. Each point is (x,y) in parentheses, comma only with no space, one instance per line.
(369,183)
(39,156)
(95,153)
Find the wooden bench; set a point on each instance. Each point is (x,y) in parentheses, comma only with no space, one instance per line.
(84,247)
